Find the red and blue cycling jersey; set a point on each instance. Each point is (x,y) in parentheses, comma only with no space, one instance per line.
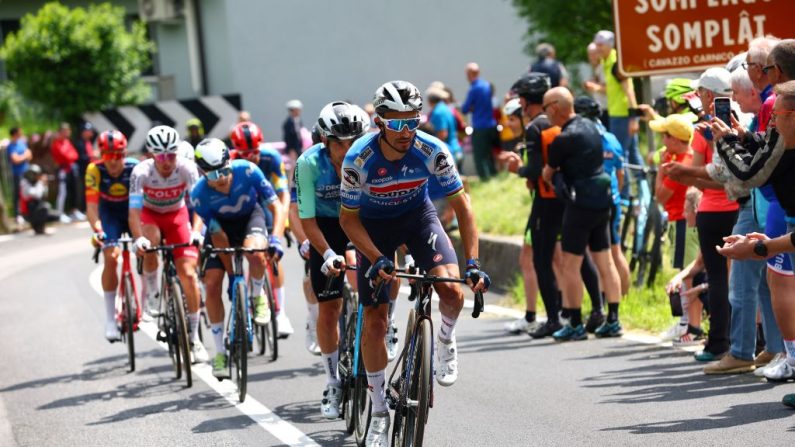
(379,188)
(249,188)
(272,166)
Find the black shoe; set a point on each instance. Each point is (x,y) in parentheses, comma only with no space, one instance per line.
(594,321)
(546,329)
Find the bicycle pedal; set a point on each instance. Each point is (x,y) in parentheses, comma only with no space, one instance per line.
(161,336)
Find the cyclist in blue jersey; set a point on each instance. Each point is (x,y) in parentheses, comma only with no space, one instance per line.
(247,143)
(587,107)
(385,204)
(317,176)
(107,203)
(230,199)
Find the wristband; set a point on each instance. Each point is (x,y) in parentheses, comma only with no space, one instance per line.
(473,263)
(329,253)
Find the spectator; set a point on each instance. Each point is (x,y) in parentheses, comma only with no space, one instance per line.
(484,126)
(33,199)
(195,130)
(755,59)
(577,153)
(620,100)
(443,121)
(512,111)
(65,156)
(546,63)
(19,156)
(86,153)
(243,116)
(291,130)
(595,84)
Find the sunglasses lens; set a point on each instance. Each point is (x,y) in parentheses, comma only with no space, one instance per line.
(166,157)
(218,173)
(397,125)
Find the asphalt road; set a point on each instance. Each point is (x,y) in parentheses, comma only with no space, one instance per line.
(63,384)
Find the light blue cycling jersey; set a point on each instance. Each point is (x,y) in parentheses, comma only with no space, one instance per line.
(614,160)
(249,187)
(317,184)
(379,188)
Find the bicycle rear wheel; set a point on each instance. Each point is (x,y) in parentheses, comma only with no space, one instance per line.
(346,364)
(361,406)
(271,334)
(128,326)
(397,426)
(416,390)
(183,342)
(240,348)
(168,328)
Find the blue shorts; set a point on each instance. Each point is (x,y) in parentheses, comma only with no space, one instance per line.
(114,223)
(776,226)
(422,233)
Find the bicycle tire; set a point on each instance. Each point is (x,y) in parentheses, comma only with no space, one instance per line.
(168,325)
(240,349)
(346,351)
(361,405)
(656,250)
(644,253)
(182,330)
(626,224)
(417,388)
(271,335)
(398,418)
(129,321)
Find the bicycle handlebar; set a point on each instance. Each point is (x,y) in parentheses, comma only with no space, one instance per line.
(97,250)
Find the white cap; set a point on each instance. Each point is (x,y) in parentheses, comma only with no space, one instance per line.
(511,107)
(716,79)
(437,89)
(605,37)
(294,104)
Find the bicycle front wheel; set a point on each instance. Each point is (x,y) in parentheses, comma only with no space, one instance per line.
(128,327)
(271,334)
(346,359)
(416,390)
(240,348)
(183,342)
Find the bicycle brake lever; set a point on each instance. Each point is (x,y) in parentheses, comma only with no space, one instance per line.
(139,265)
(96,255)
(478,307)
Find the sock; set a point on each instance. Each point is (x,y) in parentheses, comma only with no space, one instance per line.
(392,310)
(218,337)
(685,318)
(529,316)
(576,317)
(375,388)
(565,313)
(612,312)
(314,310)
(256,286)
(150,278)
(447,329)
(694,330)
(280,298)
(110,305)
(330,366)
(193,321)
(789,346)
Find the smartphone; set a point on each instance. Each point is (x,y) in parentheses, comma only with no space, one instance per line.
(634,112)
(723,110)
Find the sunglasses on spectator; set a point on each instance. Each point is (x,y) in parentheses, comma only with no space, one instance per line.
(547,105)
(767,68)
(112,155)
(746,65)
(165,157)
(397,125)
(218,173)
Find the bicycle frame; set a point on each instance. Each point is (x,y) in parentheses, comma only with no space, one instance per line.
(126,272)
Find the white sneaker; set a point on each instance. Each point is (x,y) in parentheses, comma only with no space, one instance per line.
(674,332)
(310,341)
(78,216)
(446,362)
(153,304)
(64,219)
(20,221)
(330,405)
(378,432)
(392,342)
(283,323)
(112,333)
(520,325)
(780,357)
(781,372)
(197,352)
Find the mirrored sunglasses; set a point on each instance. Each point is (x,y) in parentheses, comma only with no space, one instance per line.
(218,173)
(397,125)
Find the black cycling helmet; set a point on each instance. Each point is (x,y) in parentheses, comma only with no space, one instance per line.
(532,86)
(587,107)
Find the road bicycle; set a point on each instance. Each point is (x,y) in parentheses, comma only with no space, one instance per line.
(239,326)
(128,305)
(267,335)
(171,322)
(410,390)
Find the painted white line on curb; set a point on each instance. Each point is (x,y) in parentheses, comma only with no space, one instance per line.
(259,413)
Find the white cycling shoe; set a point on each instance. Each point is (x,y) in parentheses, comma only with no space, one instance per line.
(330,405)
(378,432)
(197,353)
(310,341)
(112,333)
(283,323)
(446,362)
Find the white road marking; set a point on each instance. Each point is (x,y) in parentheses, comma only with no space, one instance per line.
(259,413)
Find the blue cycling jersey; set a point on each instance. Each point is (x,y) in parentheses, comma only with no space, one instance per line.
(317,183)
(379,188)
(249,187)
(614,161)
(272,166)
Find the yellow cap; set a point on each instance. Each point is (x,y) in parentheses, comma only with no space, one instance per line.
(677,125)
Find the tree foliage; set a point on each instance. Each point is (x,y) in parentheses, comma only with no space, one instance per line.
(568,25)
(71,61)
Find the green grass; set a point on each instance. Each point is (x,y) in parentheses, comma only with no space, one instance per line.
(501,207)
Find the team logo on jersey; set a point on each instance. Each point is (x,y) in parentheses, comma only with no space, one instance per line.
(442,163)
(351,177)
(381,172)
(422,147)
(363,157)
(397,190)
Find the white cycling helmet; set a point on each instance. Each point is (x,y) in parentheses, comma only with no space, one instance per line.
(341,120)
(211,154)
(397,96)
(185,150)
(162,139)
(364,117)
